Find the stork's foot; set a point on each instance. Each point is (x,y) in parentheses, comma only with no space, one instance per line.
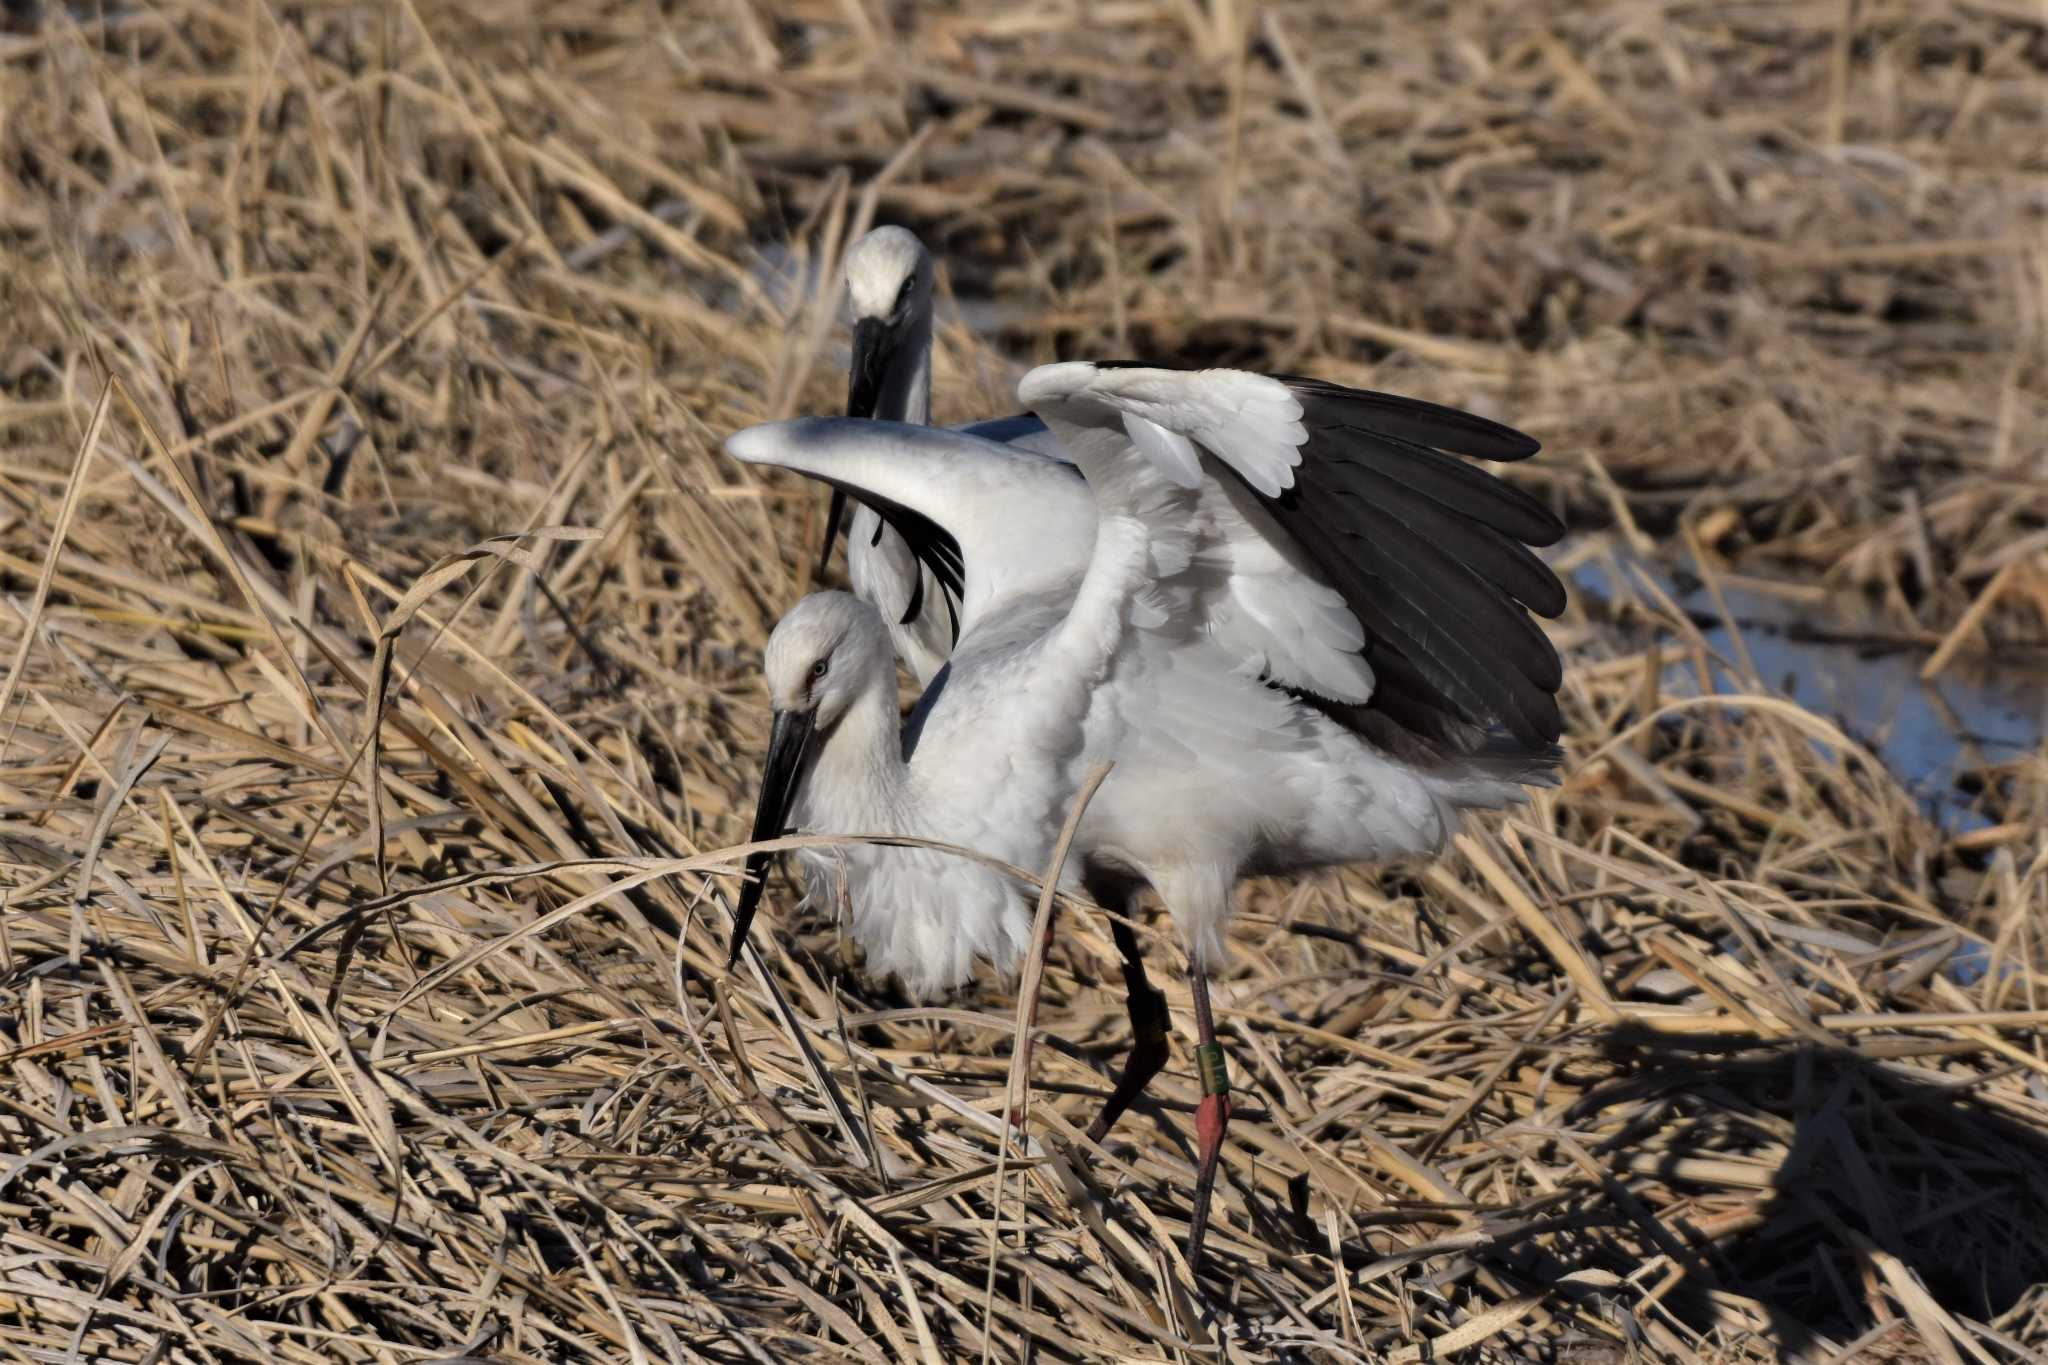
(1149,1025)
(1146,1059)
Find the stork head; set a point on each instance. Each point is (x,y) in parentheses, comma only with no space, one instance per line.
(820,658)
(889,292)
(888,282)
(822,655)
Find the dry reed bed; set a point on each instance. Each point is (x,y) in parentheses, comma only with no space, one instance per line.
(345,848)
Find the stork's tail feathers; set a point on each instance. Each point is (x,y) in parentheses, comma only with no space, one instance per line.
(1496,774)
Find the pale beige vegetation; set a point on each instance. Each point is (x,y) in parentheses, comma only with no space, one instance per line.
(349,815)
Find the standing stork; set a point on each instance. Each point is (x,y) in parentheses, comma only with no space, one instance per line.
(1297,622)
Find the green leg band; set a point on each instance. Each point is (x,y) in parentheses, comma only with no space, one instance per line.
(1215,1075)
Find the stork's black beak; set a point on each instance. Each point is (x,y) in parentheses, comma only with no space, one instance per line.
(874,342)
(788,741)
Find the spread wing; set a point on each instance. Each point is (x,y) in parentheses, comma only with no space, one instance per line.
(1336,540)
(990,521)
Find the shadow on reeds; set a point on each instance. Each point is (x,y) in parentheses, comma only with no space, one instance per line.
(1839,1154)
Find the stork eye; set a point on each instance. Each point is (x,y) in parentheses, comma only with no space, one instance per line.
(903,294)
(818,669)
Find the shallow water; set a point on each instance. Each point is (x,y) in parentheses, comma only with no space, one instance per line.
(1928,733)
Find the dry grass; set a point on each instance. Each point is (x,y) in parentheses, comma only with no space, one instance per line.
(345,1015)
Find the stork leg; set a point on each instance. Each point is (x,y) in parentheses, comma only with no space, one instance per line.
(1149,1024)
(1211,1117)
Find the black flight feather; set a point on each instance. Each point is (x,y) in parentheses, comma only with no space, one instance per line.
(932,545)
(1408,419)
(1431,554)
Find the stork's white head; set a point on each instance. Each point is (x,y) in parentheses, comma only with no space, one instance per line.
(827,650)
(888,276)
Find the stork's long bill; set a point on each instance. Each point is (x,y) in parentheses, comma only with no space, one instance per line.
(788,741)
(874,343)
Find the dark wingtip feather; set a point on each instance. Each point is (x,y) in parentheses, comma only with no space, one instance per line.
(1431,553)
(1411,419)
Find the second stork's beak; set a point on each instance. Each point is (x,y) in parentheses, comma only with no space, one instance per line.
(788,741)
(874,341)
